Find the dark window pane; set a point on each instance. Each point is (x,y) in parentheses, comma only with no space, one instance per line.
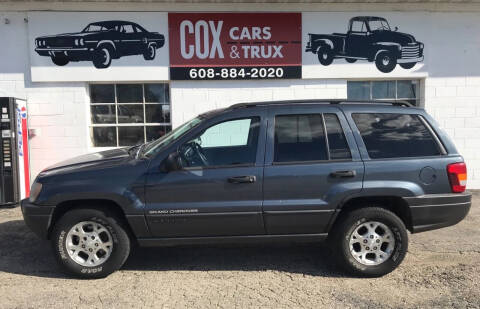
(383,90)
(155,132)
(336,139)
(102,93)
(358,90)
(395,135)
(406,89)
(103,113)
(299,138)
(157,113)
(129,93)
(104,137)
(130,113)
(231,142)
(157,93)
(129,136)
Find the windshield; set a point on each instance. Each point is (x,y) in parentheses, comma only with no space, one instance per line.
(379,24)
(96,28)
(154,147)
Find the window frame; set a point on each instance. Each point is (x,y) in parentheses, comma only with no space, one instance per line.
(417,98)
(197,134)
(438,142)
(115,104)
(325,132)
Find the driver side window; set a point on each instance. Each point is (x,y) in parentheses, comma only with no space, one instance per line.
(358,26)
(232,142)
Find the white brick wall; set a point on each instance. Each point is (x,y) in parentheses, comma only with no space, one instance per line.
(455,103)
(57,111)
(192,98)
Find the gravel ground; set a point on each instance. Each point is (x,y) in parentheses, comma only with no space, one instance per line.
(442,269)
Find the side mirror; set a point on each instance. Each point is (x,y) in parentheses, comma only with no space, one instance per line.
(172,163)
(396,28)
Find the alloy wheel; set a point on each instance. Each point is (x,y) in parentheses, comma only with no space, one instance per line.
(89,243)
(372,243)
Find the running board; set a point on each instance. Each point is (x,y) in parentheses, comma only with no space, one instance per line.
(178,241)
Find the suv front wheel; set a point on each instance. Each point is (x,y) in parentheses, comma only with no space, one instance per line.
(90,243)
(370,241)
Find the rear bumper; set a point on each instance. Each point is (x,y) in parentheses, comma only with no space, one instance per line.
(434,211)
(37,218)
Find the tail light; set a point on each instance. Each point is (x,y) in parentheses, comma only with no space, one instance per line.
(457,174)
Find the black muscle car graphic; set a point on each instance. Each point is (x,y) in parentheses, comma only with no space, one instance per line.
(100,42)
(368,38)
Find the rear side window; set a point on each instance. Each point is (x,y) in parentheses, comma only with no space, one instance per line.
(299,138)
(395,135)
(336,139)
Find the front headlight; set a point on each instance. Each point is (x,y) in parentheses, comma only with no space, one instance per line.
(76,42)
(35,191)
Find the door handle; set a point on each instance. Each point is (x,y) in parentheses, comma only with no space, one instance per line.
(242,179)
(343,174)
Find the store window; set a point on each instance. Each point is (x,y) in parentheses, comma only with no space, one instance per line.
(389,90)
(128,114)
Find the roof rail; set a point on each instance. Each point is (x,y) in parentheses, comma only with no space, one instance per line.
(322,101)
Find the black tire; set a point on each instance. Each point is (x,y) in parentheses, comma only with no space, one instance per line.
(385,61)
(119,237)
(150,52)
(60,60)
(102,57)
(408,65)
(350,60)
(348,224)
(325,55)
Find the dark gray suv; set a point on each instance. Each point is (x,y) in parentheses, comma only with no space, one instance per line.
(358,174)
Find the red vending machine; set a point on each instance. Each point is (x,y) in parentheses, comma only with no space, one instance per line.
(14,154)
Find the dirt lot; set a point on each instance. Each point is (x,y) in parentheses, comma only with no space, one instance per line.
(442,269)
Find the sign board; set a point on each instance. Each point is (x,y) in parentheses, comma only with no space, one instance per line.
(340,45)
(213,46)
(98,46)
(156,46)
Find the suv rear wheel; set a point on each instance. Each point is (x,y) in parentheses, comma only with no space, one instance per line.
(370,241)
(90,243)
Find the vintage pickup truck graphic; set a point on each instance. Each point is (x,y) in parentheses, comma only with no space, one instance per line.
(368,38)
(100,42)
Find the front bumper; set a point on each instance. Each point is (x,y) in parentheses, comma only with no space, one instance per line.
(410,60)
(434,211)
(68,52)
(37,218)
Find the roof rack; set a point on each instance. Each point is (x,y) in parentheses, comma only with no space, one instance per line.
(321,101)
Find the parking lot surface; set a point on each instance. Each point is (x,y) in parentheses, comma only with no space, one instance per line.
(442,269)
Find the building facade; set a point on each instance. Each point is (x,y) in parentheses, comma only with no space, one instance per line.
(128,72)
